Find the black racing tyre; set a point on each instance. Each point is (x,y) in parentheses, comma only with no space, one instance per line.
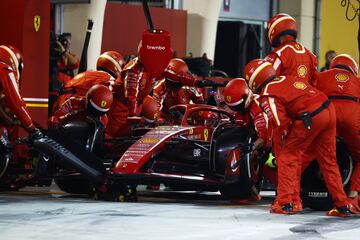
(73,183)
(314,192)
(249,184)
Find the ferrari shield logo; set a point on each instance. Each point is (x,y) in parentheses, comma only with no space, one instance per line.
(228,99)
(206,134)
(36,22)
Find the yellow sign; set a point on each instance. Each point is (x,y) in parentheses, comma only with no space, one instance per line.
(103,103)
(300,85)
(36,23)
(206,134)
(302,71)
(341,77)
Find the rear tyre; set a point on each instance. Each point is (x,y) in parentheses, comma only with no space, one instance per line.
(314,192)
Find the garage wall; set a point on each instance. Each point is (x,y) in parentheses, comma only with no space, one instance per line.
(17,28)
(336,32)
(203,16)
(75,22)
(124,25)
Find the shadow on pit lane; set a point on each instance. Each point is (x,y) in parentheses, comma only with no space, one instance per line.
(203,198)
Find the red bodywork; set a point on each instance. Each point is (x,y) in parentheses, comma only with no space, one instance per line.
(155,140)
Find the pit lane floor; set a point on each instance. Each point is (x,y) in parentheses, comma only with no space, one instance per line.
(43,213)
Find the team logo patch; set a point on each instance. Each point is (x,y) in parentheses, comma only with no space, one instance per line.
(150,140)
(206,134)
(103,103)
(37,22)
(300,85)
(297,46)
(341,77)
(302,71)
(228,98)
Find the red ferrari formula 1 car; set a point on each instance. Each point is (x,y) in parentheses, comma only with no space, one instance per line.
(200,148)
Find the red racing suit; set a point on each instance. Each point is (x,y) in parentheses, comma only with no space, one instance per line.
(255,116)
(136,84)
(81,83)
(11,102)
(167,97)
(285,99)
(74,108)
(293,59)
(343,89)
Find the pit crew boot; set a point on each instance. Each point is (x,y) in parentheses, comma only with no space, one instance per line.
(297,206)
(344,211)
(281,209)
(355,203)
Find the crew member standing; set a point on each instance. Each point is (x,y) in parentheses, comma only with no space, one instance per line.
(289,57)
(342,87)
(67,62)
(12,107)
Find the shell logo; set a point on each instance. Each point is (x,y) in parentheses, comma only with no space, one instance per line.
(341,77)
(103,103)
(228,98)
(302,71)
(300,85)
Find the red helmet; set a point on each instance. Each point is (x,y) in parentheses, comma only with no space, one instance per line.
(177,65)
(345,61)
(257,72)
(12,57)
(99,99)
(279,25)
(150,109)
(111,62)
(237,94)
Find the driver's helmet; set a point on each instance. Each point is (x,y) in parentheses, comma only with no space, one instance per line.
(207,118)
(210,118)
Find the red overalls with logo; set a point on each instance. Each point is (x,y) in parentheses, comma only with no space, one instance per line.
(81,83)
(284,100)
(136,84)
(74,108)
(343,89)
(293,59)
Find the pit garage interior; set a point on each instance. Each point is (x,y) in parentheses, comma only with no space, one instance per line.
(216,38)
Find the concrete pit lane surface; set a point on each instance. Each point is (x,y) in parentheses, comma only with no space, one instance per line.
(43,214)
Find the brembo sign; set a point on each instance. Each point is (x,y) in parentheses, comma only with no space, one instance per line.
(159,48)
